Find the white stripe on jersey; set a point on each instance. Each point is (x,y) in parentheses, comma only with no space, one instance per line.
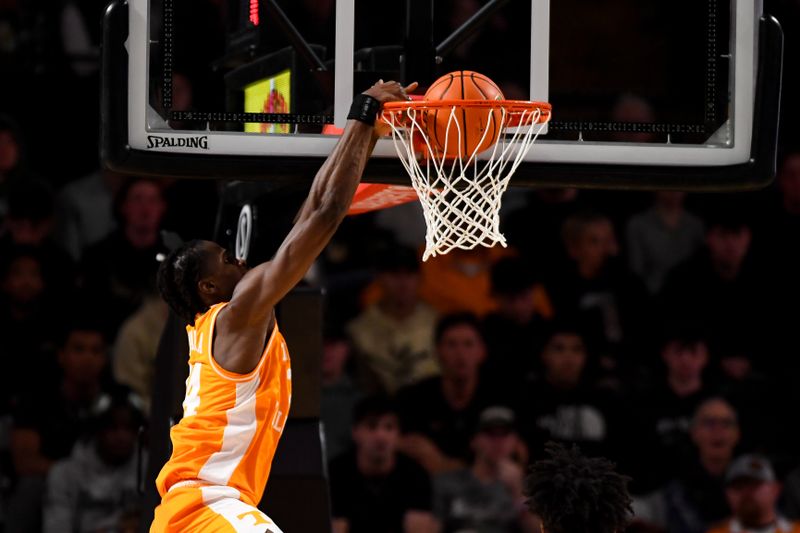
(237,436)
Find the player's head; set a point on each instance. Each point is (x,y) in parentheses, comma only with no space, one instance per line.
(570,492)
(197,275)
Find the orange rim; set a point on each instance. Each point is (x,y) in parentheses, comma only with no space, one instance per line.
(510,106)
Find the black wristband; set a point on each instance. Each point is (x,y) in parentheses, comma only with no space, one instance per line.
(364,109)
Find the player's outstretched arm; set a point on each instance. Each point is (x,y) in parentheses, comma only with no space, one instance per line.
(251,308)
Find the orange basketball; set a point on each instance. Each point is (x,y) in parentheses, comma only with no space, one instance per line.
(480,127)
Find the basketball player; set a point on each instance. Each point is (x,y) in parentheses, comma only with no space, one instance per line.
(239,387)
(570,492)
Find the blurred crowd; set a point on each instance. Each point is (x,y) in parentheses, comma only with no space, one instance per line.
(657,329)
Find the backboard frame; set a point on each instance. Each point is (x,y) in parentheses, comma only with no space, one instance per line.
(749,162)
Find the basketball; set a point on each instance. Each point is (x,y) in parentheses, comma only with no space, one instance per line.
(479,127)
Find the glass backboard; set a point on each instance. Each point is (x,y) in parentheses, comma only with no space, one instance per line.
(645,93)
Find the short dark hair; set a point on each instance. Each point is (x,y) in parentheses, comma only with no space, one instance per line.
(686,333)
(372,407)
(177,280)
(88,318)
(564,326)
(574,493)
(450,321)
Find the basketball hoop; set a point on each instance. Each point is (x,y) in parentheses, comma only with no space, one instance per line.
(462,172)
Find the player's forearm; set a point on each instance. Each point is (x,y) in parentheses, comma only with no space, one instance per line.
(337,179)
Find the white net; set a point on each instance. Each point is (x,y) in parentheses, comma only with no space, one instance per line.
(461,193)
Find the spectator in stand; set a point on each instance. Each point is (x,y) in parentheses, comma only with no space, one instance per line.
(339,394)
(30,223)
(564,404)
(695,500)
(48,423)
(439,414)
(120,270)
(393,338)
(668,405)
(775,250)
(136,346)
(91,489)
(662,237)
(610,303)
(375,489)
(724,292)
(459,281)
(27,312)
(513,332)
(85,212)
(752,492)
(486,497)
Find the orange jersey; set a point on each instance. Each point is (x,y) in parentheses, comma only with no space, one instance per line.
(231,422)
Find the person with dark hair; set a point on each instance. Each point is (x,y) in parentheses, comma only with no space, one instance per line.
(339,393)
(564,403)
(440,413)
(84,210)
(513,332)
(661,238)
(238,392)
(96,484)
(120,270)
(393,338)
(570,492)
(610,303)
(375,489)
(695,498)
(667,404)
(718,286)
(49,420)
(486,496)
(30,223)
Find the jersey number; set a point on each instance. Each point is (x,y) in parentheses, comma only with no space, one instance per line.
(192,400)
